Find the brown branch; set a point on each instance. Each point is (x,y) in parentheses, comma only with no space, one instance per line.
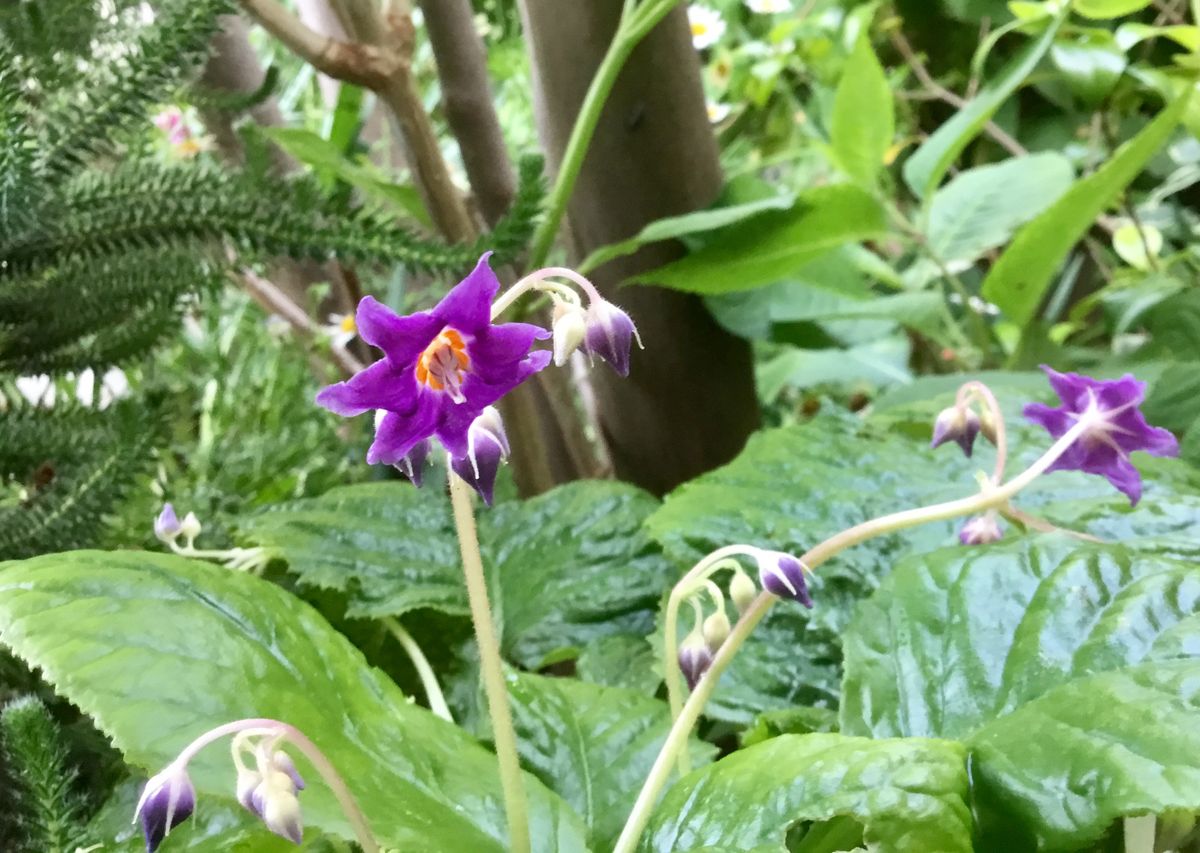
(469,103)
(385,69)
(997,133)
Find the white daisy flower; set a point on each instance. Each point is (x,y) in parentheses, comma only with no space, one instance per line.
(717,112)
(341,330)
(707,26)
(769,7)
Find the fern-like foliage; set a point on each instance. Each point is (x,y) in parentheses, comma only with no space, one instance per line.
(42,811)
(102,248)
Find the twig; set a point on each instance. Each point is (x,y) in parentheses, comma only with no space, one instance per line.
(997,133)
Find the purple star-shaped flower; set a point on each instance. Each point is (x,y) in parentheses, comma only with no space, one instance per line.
(1119,427)
(440,368)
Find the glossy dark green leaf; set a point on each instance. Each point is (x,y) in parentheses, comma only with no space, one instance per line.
(593,745)
(911,795)
(157,649)
(1068,764)
(790,721)
(955,639)
(566,567)
(620,660)
(790,488)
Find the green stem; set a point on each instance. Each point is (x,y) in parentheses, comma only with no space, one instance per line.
(433,690)
(635,23)
(492,667)
(677,738)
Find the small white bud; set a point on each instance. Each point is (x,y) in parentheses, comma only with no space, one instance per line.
(716,631)
(570,329)
(190,527)
(743,591)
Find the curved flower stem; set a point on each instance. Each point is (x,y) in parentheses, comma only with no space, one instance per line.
(539,280)
(329,773)
(636,22)
(433,690)
(676,741)
(984,393)
(492,666)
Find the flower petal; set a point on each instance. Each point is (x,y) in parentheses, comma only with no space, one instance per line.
(1056,421)
(468,306)
(383,385)
(397,435)
(498,351)
(403,339)
(479,392)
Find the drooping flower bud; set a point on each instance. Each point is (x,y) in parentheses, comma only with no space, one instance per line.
(167,801)
(569,329)
(190,527)
(610,334)
(959,424)
(166,525)
(694,659)
(716,630)
(413,464)
(987,426)
(283,762)
(487,447)
(742,590)
(783,575)
(981,530)
(248,794)
(280,807)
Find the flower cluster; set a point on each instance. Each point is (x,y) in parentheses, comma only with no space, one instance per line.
(443,370)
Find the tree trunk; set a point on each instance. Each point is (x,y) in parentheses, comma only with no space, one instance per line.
(689,403)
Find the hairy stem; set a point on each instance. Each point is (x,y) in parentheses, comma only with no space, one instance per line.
(433,690)
(492,666)
(676,741)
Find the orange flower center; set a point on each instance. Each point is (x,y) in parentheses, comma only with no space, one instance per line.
(444,364)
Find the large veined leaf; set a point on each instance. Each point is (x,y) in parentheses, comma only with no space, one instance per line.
(926,168)
(790,488)
(981,207)
(565,568)
(957,638)
(1021,277)
(1068,764)
(774,245)
(864,118)
(157,649)
(593,745)
(910,795)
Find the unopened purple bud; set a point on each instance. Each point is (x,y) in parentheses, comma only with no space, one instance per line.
(166,526)
(487,447)
(413,464)
(610,334)
(167,801)
(694,659)
(783,575)
(283,762)
(957,423)
(981,530)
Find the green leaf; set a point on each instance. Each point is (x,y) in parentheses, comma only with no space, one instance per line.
(1021,277)
(1091,64)
(1104,9)
(911,795)
(593,745)
(1130,35)
(883,362)
(572,566)
(926,168)
(789,721)
(774,245)
(157,649)
(327,159)
(565,568)
(864,120)
(621,660)
(962,636)
(1091,751)
(682,226)
(982,207)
